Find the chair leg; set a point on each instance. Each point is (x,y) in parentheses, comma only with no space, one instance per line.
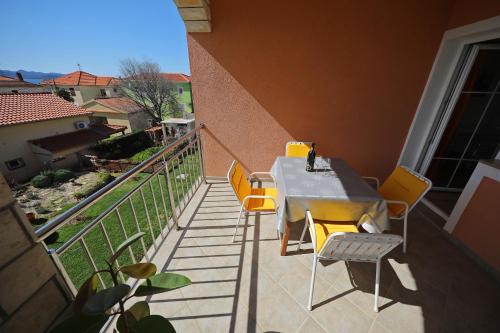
(302,236)
(313,276)
(237,224)
(377,283)
(405,229)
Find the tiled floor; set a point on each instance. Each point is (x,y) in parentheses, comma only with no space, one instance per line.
(247,287)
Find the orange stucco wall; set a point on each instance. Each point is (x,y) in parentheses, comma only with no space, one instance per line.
(467,11)
(479,225)
(344,74)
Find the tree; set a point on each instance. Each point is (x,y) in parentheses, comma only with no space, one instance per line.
(64,94)
(143,83)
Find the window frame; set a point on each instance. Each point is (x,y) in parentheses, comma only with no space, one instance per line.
(20,161)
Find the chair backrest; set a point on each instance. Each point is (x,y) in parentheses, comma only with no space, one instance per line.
(297,149)
(358,246)
(236,177)
(405,185)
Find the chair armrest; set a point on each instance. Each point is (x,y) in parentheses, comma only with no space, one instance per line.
(254,196)
(368,219)
(398,202)
(253,175)
(375,179)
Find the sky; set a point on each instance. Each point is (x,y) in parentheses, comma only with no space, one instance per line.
(55,35)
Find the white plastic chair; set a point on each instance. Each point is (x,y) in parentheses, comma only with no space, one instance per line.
(350,246)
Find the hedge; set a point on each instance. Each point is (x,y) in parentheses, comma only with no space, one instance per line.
(123,146)
(63,175)
(145,154)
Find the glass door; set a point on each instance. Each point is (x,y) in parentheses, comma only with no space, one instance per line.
(470,128)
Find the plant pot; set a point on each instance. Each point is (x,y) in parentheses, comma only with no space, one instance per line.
(31,217)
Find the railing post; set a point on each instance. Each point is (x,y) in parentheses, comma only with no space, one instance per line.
(200,154)
(171,196)
(67,280)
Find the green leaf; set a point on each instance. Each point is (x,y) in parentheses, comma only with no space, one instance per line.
(153,324)
(120,323)
(81,324)
(87,289)
(136,312)
(125,245)
(139,271)
(105,299)
(162,282)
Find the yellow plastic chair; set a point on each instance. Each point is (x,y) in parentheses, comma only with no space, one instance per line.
(402,190)
(297,149)
(254,200)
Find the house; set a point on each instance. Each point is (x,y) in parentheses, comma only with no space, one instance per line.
(182,84)
(84,86)
(18,85)
(120,111)
(41,131)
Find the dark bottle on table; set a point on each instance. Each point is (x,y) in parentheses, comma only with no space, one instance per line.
(311,156)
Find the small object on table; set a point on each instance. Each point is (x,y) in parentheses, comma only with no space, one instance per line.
(311,156)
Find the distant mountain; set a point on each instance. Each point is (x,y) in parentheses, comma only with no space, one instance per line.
(31,76)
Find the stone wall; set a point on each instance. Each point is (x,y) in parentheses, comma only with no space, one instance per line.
(32,294)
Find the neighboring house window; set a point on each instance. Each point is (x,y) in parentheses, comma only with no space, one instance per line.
(180,90)
(103,92)
(15,91)
(15,164)
(72,91)
(115,90)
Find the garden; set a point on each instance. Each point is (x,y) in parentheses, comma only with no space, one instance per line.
(52,192)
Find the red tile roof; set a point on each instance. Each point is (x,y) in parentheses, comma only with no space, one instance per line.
(6,81)
(176,77)
(76,139)
(120,104)
(31,107)
(80,78)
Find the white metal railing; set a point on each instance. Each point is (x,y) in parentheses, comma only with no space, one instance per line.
(180,165)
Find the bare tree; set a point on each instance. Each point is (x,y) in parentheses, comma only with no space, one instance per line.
(142,82)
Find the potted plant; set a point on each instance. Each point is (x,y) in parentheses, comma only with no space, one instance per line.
(92,309)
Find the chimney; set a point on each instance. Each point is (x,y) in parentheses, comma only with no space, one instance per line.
(19,76)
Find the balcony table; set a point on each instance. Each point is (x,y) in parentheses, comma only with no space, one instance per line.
(333,192)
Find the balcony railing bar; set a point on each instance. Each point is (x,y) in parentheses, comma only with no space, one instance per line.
(189,171)
(134,214)
(165,211)
(184,175)
(171,194)
(122,227)
(148,218)
(90,260)
(110,246)
(156,207)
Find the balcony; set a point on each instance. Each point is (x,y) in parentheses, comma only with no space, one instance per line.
(247,286)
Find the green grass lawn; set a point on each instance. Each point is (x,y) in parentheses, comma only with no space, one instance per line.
(74,259)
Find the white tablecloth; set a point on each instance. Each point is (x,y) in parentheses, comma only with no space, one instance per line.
(334,192)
